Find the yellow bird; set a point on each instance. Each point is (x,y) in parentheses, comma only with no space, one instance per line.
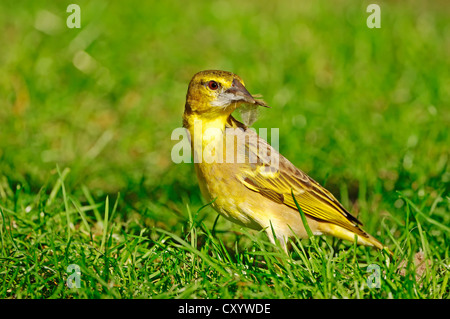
(249,182)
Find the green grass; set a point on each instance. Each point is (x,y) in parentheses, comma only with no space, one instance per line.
(86,176)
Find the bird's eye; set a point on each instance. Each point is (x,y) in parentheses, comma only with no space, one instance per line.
(213,85)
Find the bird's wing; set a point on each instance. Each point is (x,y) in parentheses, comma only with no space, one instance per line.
(276,184)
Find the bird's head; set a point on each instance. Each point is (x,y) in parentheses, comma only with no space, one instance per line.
(214,93)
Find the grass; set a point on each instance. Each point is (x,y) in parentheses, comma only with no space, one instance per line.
(124,258)
(85,171)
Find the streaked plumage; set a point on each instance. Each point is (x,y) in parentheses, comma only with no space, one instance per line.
(257,193)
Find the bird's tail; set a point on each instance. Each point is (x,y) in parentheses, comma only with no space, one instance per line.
(362,239)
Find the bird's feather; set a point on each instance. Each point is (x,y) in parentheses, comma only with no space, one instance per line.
(276,183)
(249,113)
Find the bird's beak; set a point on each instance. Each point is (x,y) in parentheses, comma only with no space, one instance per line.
(241,94)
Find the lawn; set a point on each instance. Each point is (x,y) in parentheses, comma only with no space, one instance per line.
(92,205)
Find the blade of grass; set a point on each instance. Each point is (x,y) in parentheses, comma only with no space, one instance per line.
(91,201)
(444,285)
(422,214)
(66,203)
(57,186)
(113,213)
(302,215)
(195,251)
(105,224)
(311,236)
(83,217)
(6,229)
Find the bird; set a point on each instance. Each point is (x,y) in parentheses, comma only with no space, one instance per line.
(249,182)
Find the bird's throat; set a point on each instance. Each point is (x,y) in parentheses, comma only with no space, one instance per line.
(207,136)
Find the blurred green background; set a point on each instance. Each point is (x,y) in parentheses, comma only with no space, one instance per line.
(361,110)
